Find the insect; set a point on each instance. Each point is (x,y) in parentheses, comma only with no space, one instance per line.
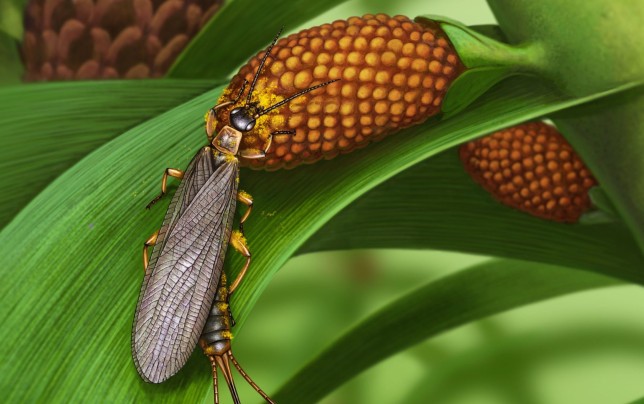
(183,275)
(394,73)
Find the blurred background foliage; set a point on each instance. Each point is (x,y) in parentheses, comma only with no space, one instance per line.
(581,348)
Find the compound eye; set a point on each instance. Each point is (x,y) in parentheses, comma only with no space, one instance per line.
(250,125)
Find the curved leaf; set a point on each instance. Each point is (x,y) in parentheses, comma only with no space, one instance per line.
(50,126)
(481,291)
(70,261)
(436,205)
(239,31)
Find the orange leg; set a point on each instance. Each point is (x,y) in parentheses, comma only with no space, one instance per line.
(172,172)
(148,243)
(247,200)
(238,242)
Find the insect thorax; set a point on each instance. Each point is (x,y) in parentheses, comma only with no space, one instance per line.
(227,140)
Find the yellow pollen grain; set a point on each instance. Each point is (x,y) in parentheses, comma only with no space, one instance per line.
(435,67)
(355,58)
(316,44)
(345,42)
(381,120)
(324,58)
(377,44)
(286,80)
(293,63)
(394,95)
(350,73)
(346,108)
(331,45)
(328,146)
(360,44)
(372,59)
(364,107)
(404,63)
(314,107)
(313,122)
(308,58)
(397,108)
(382,77)
(440,83)
(320,72)
(295,120)
(277,68)
(313,136)
(366,120)
(348,121)
(364,92)
(395,45)
(334,73)
(331,108)
(339,58)
(419,65)
(388,58)
(330,121)
(348,90)
(423,50)
(303,79)
(379,93)
(408,49)
(329,134)
(414,80)
(400,79)
(367,74)
(381,107)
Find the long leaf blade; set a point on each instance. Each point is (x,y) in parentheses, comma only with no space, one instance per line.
(48,127)
(470,295)
(240,30)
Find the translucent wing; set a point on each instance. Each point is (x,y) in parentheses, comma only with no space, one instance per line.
(184,268)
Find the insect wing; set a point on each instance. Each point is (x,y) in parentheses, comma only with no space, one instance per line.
(185,266)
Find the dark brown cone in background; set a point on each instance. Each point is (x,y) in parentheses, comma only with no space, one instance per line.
(531,167)
(91,39)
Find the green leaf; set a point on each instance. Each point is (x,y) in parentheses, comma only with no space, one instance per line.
(238,31)
(71,260)
(11,18)
(48,127)
(10,64)
(481,291)
(436,205)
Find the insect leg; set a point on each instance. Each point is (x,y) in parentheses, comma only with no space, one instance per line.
(246,199)
(248,379)
(172,172)
(261,154)
(238,242)
(148,243)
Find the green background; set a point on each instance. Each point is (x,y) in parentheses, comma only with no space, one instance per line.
(586,347)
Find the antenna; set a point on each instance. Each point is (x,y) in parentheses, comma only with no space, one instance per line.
(261,65)
(279,104)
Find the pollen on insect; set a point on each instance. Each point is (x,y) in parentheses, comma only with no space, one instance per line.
(227,334)
(221,306)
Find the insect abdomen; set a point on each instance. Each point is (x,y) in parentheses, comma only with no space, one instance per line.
(216,335)
(392,73)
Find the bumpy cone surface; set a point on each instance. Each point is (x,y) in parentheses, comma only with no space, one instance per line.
(89,39)
(392,73)
(532,168)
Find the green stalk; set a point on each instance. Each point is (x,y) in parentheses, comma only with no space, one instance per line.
(487,60)
(590,45)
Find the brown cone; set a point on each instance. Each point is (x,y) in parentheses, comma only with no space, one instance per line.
(531,167)
(91,39)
